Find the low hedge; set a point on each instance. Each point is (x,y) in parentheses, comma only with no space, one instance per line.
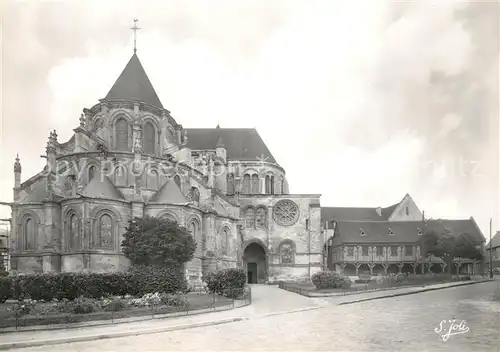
(136,281)
(226,282)
(330,279)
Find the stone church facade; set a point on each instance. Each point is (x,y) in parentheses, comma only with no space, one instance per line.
(128,157)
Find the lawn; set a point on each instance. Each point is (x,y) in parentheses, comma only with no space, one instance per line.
(49,313)
(373,284)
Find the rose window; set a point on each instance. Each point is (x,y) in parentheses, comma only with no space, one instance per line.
(286,213)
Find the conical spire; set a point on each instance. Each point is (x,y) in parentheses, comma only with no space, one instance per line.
(134,84)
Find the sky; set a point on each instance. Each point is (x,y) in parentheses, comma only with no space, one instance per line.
(359,101)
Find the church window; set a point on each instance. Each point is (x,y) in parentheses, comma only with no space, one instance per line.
(249,218)
(91,172)
(246,184)
(260,218)
(29,234)
(149,139)
(285,212)
(268,184)
(350,251)
(195,194)
(224,240)
(230,184)
(255,184)
(272,184)
(105,232)
(73,232)
(287,252)
(177,181)
(169,217)
(152,179)
(121,134)
(120,176)
(68,185)
(282,185)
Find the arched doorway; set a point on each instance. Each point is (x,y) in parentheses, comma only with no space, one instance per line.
(254,261)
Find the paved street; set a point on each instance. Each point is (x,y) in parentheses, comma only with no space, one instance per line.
(403,323)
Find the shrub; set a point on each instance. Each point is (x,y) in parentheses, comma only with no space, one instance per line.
(136,281)
(112,305)
(344,282)
(80,305)
(5,289)
(325,279)
(227,282)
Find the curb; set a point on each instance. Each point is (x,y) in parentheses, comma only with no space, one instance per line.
(125,320)
(290,311)
(24,344)
(412,292)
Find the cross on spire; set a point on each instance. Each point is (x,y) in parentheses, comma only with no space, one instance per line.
(135,29)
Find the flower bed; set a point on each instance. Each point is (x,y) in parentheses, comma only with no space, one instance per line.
(29,312)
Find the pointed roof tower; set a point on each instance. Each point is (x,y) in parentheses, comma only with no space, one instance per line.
(134,84)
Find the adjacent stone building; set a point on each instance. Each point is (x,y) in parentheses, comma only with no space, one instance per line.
(128,157)
(387,240)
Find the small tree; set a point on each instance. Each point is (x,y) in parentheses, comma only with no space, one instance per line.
(158,242)
(448,246)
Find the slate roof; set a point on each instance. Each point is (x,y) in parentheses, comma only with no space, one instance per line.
(403,231)
(102,187)
(169,193)
(134,84)
(356,214)
(37,193)
(240,143)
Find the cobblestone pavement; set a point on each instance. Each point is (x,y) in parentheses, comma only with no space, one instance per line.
(404,323)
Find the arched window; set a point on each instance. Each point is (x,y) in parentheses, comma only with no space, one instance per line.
(287,252)
(195,194)
(224,241)
(250,218)
(149,139)
(282,185)
(152,179)
(268,184)
(260,218)
(29,234)
(230,184)
(105,232)
(255,184)
(120,176)
(121,134)
(246,184)
(193,229)
(68,185)
(92,170)
(272,184)
(169,217)
(177,181)
(73,238)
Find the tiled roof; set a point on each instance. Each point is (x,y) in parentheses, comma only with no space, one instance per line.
(169,193)
(134,84)
(102,187)
(403,231)
(240,143)
(351,214)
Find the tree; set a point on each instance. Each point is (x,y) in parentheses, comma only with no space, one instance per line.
(447,246)
(158,242)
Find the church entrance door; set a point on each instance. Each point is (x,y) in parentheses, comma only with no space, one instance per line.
(252,273)
(255,263)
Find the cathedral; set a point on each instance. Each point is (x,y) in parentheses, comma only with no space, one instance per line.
(128,157)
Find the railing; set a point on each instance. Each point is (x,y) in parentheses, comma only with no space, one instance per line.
(374,284)
(26,315)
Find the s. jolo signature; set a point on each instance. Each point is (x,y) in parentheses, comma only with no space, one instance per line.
(452,327)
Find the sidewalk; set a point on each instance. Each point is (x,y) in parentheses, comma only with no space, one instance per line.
(395,292)
(267,301)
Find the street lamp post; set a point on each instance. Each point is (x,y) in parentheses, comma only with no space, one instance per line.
(491,263)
